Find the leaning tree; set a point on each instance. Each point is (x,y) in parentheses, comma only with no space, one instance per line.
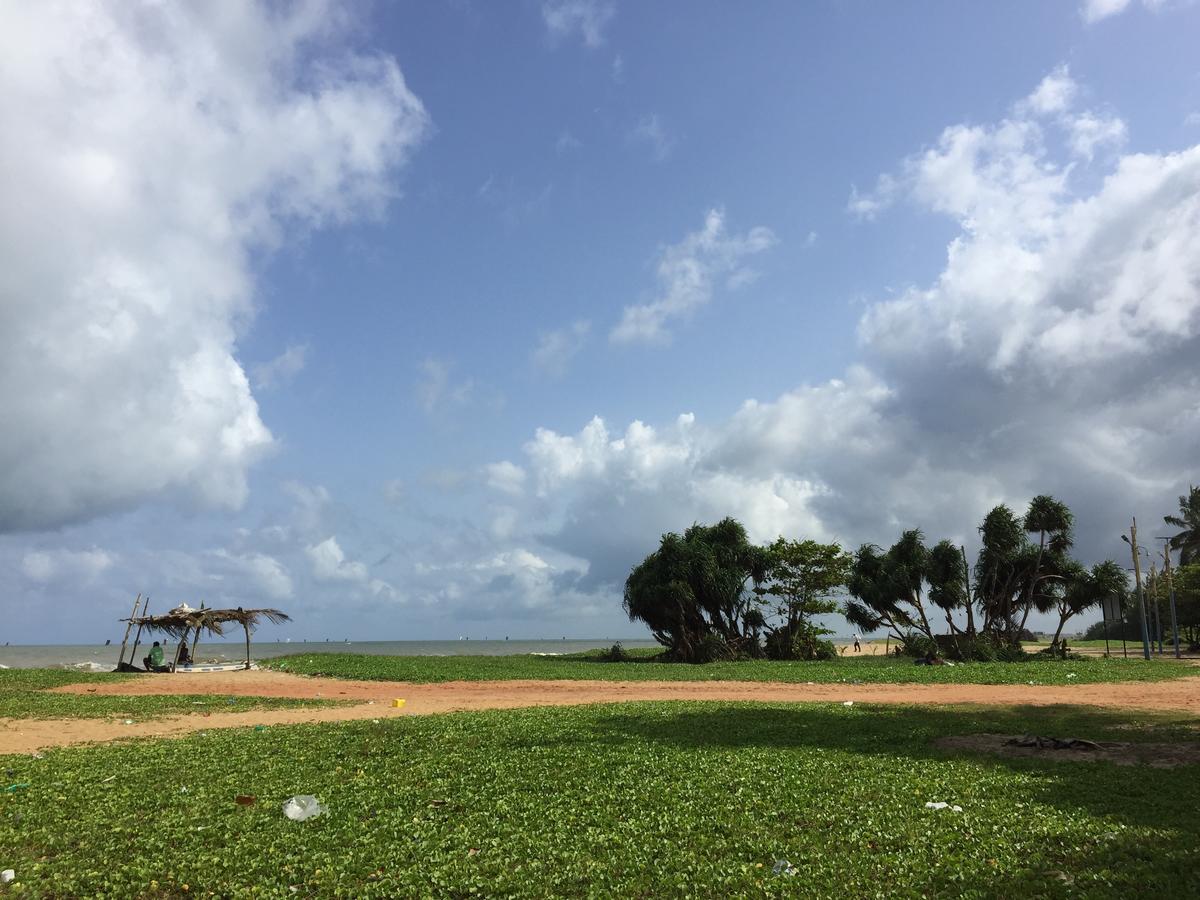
(887,587)
(692,592)
(1084,589)
(1014,576)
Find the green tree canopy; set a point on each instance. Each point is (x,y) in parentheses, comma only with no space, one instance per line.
(1085,589)
(802,580)
(693,587)
(1187,541)
(887,587)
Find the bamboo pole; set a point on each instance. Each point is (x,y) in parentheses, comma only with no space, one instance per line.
(137,637)
(128,627)
(196,639)
(246,625)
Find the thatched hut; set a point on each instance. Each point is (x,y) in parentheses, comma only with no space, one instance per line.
(183,621)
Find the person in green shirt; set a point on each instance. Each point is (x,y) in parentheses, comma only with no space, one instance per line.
(154,662)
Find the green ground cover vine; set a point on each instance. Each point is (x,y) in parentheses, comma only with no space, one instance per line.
(867,669)
(24,695)
(650,799)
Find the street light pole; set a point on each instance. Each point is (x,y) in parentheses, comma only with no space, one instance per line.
(1137,577)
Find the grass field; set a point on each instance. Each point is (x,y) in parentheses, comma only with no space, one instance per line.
(879,669)
(23,696)
(678,799)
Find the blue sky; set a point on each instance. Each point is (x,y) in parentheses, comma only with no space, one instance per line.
(426,319)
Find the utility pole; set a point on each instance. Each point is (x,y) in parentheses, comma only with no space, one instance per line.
(1137,576)
(1171,594)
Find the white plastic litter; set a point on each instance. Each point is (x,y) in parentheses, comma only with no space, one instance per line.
(7,876)
(848,703)
(302,806)
(783,867)
(1072,675)
(940,805)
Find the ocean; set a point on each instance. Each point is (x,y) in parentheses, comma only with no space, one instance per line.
(101,658)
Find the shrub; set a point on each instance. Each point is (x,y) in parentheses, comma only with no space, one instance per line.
(980,648)
(712,648)
(918,645)
(615,653)
(805,642)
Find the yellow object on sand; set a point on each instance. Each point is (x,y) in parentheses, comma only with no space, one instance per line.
(396,704)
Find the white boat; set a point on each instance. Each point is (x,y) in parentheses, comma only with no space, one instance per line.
(217,667)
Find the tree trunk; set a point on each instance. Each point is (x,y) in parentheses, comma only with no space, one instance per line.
(247,627)
(1062,620)
(967,585)
(954,636)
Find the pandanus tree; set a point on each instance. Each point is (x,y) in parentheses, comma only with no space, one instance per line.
(949,591)
(887,587)
(1084,589)
(1003,558)
(1013,576)
(1051,521)
(1187,541)
(696,585)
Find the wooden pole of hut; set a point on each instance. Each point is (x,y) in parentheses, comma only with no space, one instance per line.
(246,626)
(196,639)
(137,637)
(129,625)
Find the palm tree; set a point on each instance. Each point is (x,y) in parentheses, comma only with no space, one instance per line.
(1084,589)
(1051,520)
(1187,542)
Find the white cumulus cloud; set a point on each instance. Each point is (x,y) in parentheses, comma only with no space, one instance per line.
(146,152)
(506,477)
(329,563)
(264,573)
(688,275)
(1057,351)
(74,565)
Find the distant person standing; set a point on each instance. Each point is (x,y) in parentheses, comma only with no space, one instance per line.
(857,644)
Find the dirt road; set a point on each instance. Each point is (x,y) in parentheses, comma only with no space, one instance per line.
(374,700)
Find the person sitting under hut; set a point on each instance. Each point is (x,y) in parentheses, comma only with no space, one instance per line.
(184,658)
(154,662)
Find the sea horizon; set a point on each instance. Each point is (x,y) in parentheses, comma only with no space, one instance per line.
(103,657)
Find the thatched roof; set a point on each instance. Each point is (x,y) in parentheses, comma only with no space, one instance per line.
(182,620)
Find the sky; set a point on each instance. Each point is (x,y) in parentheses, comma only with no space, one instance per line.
(422,320)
